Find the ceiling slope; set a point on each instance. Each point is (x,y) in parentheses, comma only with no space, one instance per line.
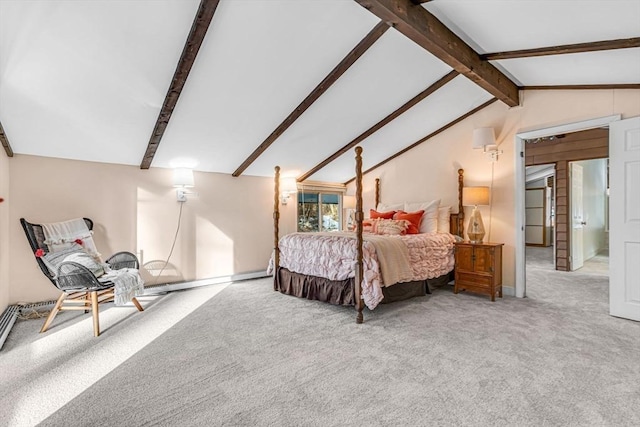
(426,30)
(258,63)
(188,57)
(317,92)
(93,80)
(446,104)
(392,72)
(85,80)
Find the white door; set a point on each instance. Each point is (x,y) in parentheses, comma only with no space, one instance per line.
(577,217)
(624,218)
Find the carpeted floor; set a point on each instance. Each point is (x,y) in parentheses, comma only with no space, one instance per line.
(245,355)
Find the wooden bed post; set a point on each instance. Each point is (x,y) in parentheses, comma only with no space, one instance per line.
(377,194)
(460,207)
(276,227)
(359,217)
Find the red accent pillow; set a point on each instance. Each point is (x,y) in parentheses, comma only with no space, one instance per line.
(374,214)
(414,219)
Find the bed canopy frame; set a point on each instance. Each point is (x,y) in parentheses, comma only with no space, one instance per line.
(456,226)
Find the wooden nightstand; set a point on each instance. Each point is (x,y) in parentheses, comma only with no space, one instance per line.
(479,268)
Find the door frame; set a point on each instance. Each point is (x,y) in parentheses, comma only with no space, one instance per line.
(574,245)
(519,160)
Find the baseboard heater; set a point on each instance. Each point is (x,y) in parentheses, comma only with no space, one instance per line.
(168,287)
(10,315)
(12,312)
(6,322)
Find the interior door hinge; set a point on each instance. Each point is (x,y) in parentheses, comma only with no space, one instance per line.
(522,154)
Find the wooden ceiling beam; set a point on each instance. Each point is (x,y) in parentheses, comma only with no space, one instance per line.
(4,139)
(416,23)
(406,106)
(316,93)
(431,135)
(191,48)
(564,49)
(582,87)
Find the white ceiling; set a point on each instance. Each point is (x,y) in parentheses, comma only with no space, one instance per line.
(86,79)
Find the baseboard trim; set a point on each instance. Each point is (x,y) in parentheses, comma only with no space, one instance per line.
(168,287)
(509,291)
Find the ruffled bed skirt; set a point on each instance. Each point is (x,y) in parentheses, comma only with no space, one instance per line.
(340,292)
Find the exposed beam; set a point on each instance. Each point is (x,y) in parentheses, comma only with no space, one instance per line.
(196,36)
(413,101)
(564,49)
(316,93)
(416,23)
(5,142)
(431,135)
(582,87)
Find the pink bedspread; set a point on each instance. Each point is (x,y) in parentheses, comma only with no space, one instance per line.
(332,255)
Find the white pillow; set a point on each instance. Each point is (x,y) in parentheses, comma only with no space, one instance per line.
(429,222)
(75,253)
(386,208)
(444,217)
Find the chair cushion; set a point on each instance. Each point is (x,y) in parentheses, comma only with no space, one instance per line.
(74,253)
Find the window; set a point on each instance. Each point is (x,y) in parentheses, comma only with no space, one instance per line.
(319,211)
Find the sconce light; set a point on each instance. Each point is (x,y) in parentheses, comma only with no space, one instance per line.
(289,186)
(474,196)
(485,138)
(182,178)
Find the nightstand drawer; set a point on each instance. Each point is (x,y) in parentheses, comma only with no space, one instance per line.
(476,280)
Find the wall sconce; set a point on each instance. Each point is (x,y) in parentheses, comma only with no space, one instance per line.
(474,196)
(288,186)
(182,178)
(485,138)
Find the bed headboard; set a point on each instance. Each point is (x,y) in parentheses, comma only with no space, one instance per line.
(456,220)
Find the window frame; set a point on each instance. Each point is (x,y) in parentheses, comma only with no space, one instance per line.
(319,192)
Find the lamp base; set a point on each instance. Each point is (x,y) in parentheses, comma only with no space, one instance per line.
(475,230)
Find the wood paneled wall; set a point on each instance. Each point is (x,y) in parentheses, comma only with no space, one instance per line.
(584,145)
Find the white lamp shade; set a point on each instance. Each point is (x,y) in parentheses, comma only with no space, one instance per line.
(483,137)
(474,196)
(288,184)
(348,202)
(183,177)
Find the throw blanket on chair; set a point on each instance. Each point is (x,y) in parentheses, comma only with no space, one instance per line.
(128,284)
(62,235)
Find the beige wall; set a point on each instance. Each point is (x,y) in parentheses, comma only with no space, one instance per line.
(429,170)
(4,231)
(226,229)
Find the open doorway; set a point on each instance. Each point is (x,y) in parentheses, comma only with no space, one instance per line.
(588,220)
(554,145)
(589,216)
(539,216)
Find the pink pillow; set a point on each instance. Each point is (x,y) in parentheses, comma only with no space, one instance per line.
(390,227)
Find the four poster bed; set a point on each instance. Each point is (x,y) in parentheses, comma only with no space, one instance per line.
(365,268)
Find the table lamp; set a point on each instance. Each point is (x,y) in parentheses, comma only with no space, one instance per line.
(475,196)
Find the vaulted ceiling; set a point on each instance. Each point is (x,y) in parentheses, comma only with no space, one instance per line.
(239,86)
